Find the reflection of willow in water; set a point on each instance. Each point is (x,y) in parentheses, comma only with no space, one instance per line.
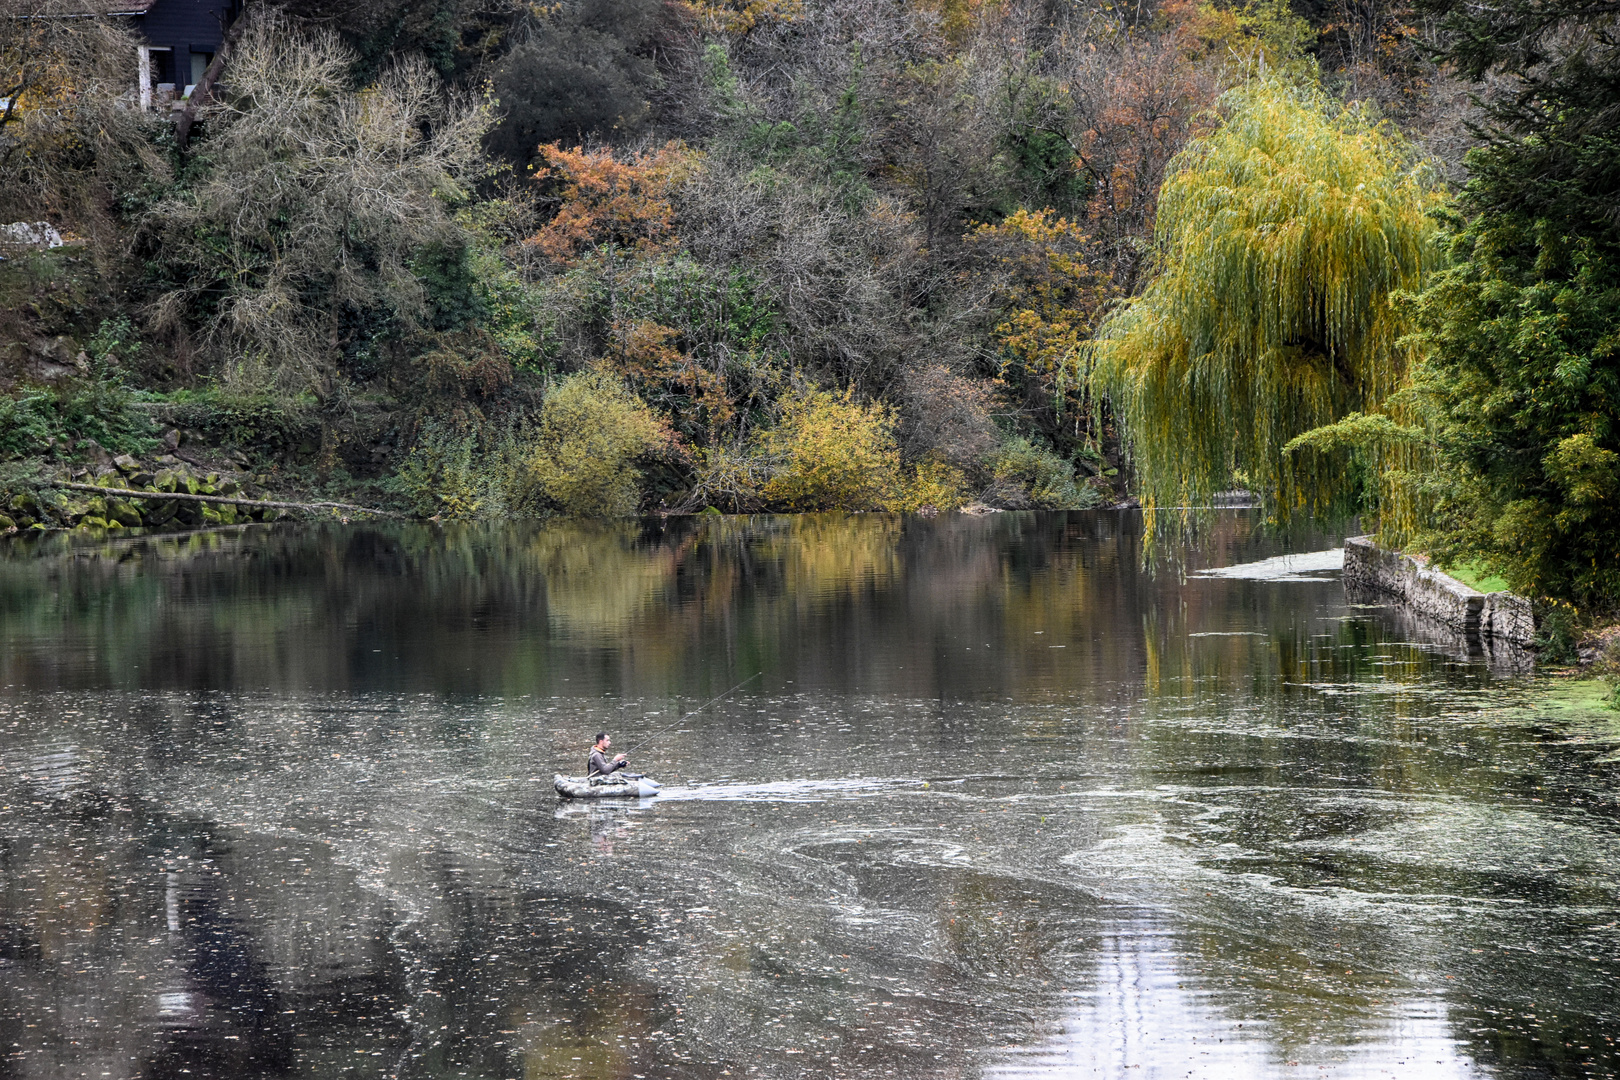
(1345,754)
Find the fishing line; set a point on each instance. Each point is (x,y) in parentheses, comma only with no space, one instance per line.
(694,712)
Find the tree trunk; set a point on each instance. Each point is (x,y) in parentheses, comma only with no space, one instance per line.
(182,496)
(205,89)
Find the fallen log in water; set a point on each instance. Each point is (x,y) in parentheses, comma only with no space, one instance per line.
(237,500)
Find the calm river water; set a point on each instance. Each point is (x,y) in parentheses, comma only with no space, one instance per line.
(1000,803)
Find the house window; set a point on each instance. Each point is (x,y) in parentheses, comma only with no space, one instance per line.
(162,64)
(199,64)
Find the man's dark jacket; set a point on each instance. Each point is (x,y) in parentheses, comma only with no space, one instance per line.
(599,765)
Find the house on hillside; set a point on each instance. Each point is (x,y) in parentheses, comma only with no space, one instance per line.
(178,37)
(181,37)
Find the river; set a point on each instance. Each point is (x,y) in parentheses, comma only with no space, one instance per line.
(996,800)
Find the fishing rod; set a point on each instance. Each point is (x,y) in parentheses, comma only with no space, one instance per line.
(694,712)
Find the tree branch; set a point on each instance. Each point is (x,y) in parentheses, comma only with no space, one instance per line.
(204,90)
(183,496)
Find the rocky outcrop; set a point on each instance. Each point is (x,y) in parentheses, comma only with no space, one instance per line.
(21,236)
(132,495)
(1439,597)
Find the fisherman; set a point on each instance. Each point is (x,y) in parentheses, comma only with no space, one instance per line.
(597,764)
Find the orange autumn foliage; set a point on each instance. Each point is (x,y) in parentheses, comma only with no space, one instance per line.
(647,355)
(1051,299)
(606,202)
(738,17)
(1136,103)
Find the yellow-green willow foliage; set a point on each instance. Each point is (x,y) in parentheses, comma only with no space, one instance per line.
(1282,235)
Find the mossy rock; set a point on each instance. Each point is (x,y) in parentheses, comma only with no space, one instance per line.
(166,481)
(6,523)
(123,512)
(161,513)
(211,516)
(92,521)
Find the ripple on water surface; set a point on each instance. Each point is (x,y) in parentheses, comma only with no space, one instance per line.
(1000,803)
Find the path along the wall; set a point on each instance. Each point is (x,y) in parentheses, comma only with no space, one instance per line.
(1498,616)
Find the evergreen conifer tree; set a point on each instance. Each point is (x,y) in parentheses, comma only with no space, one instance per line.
(1521,336)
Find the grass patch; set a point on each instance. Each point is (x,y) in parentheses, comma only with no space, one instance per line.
(1477,576)
(36,419)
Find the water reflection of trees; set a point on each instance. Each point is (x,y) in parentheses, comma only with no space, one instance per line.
(431,932)
(681,606)
(176,902)
(168,903)
(489,608)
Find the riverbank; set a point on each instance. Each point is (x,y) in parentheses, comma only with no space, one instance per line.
(1500,623)
(1496,616)
(163,492)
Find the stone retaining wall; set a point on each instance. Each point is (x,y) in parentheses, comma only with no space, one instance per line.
(1438,596)
(1507,617)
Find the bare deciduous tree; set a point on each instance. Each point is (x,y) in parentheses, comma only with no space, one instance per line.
(66,73)
(317,199)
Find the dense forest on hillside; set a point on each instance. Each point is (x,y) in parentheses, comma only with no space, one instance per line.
(483,258)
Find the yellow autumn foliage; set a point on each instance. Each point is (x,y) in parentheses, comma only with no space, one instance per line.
(1051,299)
(1284,237)
(582,455)
(931,484)
(831,452)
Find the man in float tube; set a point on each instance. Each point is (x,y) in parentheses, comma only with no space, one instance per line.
(598,765)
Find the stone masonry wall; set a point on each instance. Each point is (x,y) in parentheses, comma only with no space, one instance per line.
(1507,617)
(1438,596)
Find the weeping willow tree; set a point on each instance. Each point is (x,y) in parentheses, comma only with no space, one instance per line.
(1282,236)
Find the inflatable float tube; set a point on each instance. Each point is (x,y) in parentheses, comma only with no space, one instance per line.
(629,787)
